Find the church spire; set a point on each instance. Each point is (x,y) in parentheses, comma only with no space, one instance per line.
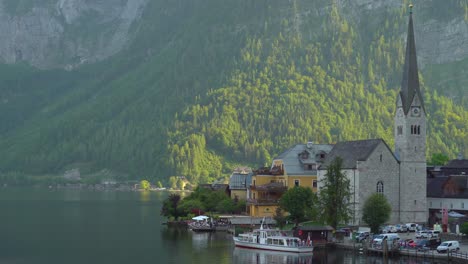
(410,81)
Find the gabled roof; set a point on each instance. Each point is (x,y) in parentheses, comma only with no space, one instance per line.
(410,80)
(294,165)
(353,151)
(457,163)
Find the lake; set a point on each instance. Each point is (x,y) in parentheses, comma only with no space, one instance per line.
(85,226)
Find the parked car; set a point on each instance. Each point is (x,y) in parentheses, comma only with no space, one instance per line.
(361,235)
(427,234)
(389,229)
(412,227)
(407,243)
(427,244)
(400,228)
(448,246)
(432,233)
(391,238)
(412,243)
(420,234)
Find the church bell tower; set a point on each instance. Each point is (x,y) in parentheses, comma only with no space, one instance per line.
(410,138)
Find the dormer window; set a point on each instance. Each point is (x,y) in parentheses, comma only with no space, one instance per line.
(304,154)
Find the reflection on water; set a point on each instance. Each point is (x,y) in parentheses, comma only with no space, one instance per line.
(321,256)
(145,196)
(253,256)
(201,240)
(43,226)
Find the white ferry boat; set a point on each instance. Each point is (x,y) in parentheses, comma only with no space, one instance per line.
(273,240)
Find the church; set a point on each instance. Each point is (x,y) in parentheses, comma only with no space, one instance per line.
(399,175)
(371,165)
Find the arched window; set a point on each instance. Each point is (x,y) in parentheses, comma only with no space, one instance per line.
(380,187)
(419,130)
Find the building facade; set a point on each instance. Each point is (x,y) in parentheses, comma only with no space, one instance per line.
(296,166)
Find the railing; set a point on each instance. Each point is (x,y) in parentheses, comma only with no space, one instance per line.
(279,188)
(262,201)
(429,253)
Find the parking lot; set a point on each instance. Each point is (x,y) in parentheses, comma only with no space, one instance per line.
(412,235)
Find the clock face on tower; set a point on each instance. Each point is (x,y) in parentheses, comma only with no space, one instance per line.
(415,111)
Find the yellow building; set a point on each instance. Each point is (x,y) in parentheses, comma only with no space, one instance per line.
(296,166)
(266,188)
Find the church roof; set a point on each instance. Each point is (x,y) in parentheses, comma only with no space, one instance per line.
(352,151)
(410,80)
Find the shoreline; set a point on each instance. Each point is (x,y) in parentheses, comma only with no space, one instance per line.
(453,257)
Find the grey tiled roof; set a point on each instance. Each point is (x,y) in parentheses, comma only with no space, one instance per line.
(352,151)
(294,165)
(240,181)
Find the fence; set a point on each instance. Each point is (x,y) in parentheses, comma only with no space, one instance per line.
(433,254)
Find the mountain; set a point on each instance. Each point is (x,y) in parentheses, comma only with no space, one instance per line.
(151,89)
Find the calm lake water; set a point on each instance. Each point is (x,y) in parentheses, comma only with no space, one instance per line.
(83,226)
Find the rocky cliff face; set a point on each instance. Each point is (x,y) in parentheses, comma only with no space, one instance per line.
(68,33)
(441,36)
(65,33)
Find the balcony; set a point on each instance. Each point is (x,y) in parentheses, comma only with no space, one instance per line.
(271,201)
(270,187)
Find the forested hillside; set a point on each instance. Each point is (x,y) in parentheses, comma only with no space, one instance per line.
(208,85)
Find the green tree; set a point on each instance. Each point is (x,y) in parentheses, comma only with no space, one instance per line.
(159,184)
(173,182)
(335,195)
(240,206)
(464,228)
(279,217)
(145,185)
(170,206)
(226,206)
(376,211)
(180,184)
(298,202)
(191,206)
(439,159)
